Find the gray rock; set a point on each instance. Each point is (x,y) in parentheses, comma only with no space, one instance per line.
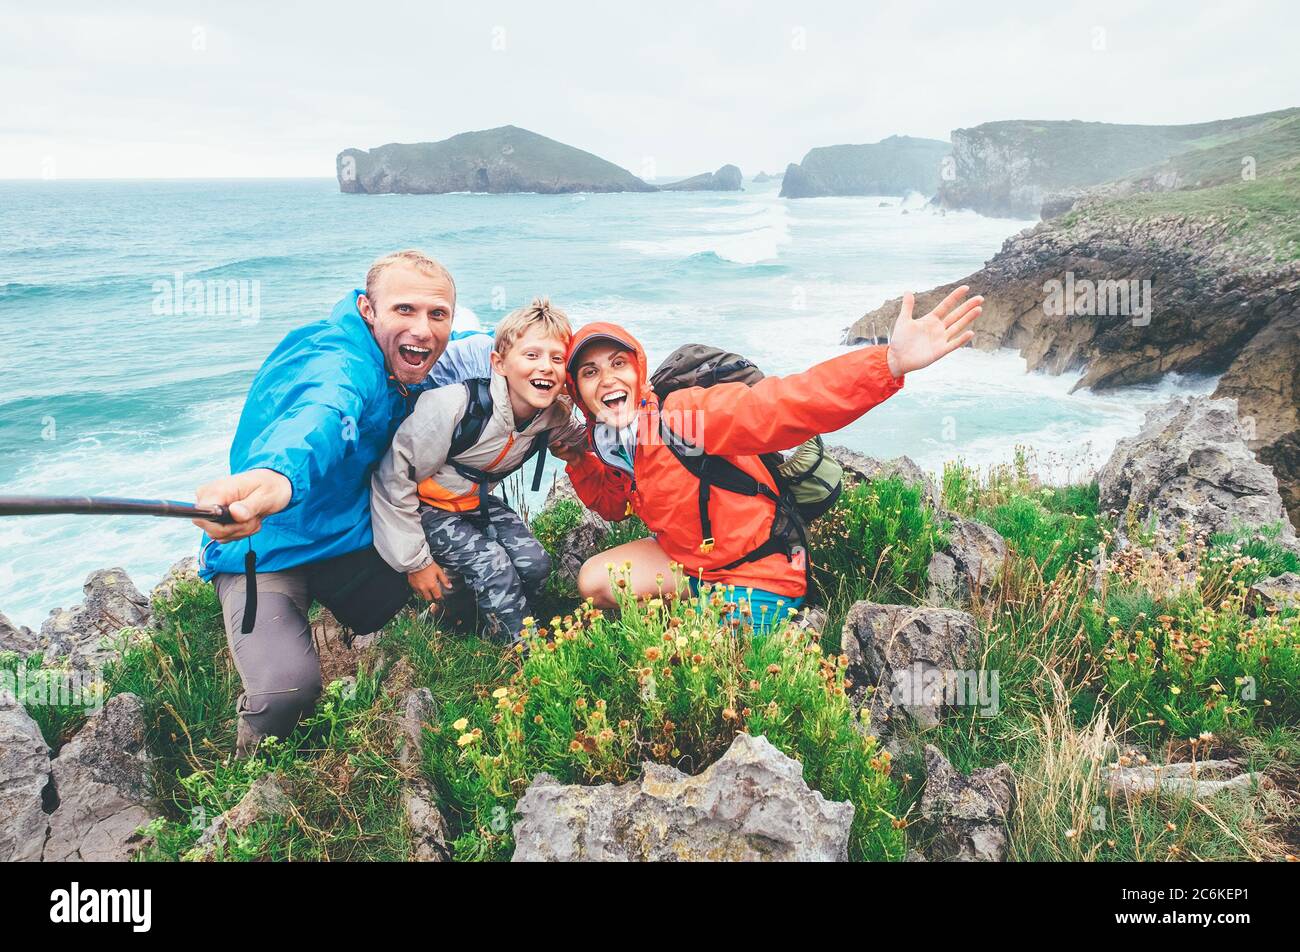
(425,824)
(89,634)
(752,804)
(17,638)
(1189,464)
(416,710)
(1280,592)
(865,468)
(971,560)
(917,659)
(265,798)
(1200,781)
(183,570)
(24,774)
(101,777)
(967,816)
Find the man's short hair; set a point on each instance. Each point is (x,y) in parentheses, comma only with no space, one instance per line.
(416,259)
(553,321)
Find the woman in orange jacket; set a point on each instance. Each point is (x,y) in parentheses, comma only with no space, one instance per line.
(628,468)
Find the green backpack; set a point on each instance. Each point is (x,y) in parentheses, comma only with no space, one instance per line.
(809,481)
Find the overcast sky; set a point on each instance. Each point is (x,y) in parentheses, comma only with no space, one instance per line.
(222,89)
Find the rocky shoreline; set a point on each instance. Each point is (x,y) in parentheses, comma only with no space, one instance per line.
(1217,307)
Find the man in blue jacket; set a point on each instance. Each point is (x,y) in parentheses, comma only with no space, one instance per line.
(320,414)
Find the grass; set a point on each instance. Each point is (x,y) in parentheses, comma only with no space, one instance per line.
(1161,654)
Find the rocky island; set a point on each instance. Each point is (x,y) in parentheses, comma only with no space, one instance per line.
(893,166)
(506,159)
(726,179)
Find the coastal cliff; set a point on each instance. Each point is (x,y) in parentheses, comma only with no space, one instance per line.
(1128,289)
(506,159)
(1011,168)
(893,166)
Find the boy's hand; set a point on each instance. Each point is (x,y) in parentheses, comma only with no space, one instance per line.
(248,496)
(429,582)
(918,343)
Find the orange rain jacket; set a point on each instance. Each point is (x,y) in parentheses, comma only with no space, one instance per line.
(733,420)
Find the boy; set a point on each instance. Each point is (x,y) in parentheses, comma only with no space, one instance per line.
(431,502)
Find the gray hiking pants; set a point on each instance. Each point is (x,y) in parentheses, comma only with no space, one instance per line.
(498,559)
(277,660)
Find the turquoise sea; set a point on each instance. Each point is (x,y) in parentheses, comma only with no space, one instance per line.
(115,381)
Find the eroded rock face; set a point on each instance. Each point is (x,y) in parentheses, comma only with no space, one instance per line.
(101,777)
(85,635)
(1214,309)
(752,804)
(17,638)
(917,659)
(971,560)
(967,816)
(24,773)
(1190,464)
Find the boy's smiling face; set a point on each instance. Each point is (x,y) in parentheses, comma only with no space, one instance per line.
(607,381)
(534,371)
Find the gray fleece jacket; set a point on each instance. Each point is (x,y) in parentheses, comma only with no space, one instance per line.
(419,451)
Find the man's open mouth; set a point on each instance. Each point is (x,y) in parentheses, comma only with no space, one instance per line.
(414,355)
(615,400)
(546,386)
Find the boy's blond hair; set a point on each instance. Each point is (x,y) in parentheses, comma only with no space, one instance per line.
(416,259)
(553,321)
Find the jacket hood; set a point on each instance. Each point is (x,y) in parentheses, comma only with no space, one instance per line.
(603,331)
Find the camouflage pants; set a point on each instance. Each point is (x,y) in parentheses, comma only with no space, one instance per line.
(498,559)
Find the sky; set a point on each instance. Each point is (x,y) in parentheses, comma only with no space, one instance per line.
(198,89)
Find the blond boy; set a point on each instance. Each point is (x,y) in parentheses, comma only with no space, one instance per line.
(431,502)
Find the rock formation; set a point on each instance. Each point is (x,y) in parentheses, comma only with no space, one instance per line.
(101,778)
(893,166)
(24,779)
(88,634)
(506,159)
(966,816)
(913,660)
(752,804)
(1190,466)
(726,179)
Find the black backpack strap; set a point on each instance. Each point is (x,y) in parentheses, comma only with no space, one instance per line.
(712,471)
(477,412)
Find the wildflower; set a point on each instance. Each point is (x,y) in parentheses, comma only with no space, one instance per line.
(500,693)
(575,746)
(653,654)
(1069,834)
(773,668)
(529,622)
(461,724)
(537,718)
(464,740)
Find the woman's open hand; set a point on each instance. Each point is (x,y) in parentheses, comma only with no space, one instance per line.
(918,342)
